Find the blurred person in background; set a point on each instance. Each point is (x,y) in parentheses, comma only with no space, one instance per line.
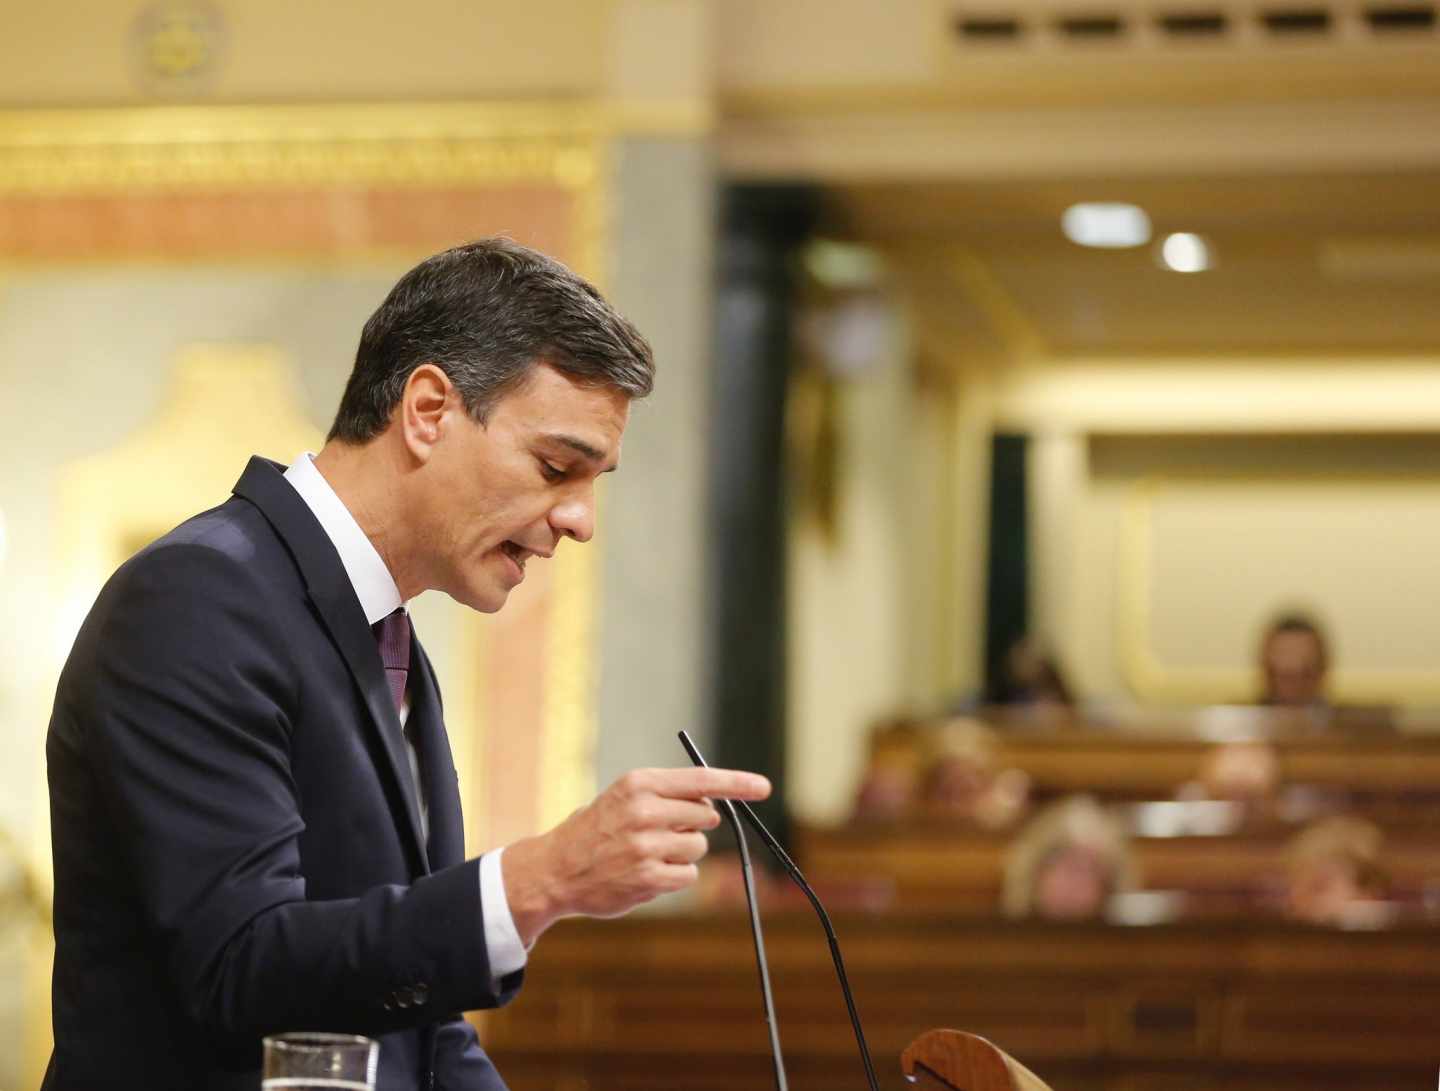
(890,783)
(1249,773)
(1333,872)
(1294,663)
(1067,863)
(961,781)
(1029,677)
(1245,772)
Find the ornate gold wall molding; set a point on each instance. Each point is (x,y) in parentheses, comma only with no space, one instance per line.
(135,153)
(422,144)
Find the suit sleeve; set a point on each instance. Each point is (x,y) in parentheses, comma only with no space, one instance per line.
(460,1064)
(194,695)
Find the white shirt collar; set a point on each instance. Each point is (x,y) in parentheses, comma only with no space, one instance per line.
(374,586)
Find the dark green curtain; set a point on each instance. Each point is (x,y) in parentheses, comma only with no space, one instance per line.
(761,231)
(1007,583)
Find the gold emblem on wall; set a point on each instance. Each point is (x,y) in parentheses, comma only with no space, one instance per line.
(177,47)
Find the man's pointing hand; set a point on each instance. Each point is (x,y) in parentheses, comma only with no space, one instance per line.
(639,838)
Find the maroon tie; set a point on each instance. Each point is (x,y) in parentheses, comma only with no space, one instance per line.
(393,635)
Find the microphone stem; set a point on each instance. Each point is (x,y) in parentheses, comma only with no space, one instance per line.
(747,873)
(799,880)
(730,810)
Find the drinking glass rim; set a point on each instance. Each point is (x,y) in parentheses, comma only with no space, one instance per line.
(315,1039)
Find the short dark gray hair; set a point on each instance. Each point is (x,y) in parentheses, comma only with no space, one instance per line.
(486,314)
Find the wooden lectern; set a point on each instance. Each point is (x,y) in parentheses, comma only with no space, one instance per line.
(957,1061)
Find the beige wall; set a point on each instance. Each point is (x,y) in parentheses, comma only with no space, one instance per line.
(1176,504)
(848,634)
(1180,504)
(883,607)
(84,53)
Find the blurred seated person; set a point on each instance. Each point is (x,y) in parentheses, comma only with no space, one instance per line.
(1067,863)
(1245,772)
(960,781)
(1248,773)
(890,784)
(1294,661)
(1030,677)
(1333,873)
(1294,667)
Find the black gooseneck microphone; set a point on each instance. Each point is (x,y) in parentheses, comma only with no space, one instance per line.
(730,808)
(727,808)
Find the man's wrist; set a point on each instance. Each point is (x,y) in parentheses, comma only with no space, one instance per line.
(534,904)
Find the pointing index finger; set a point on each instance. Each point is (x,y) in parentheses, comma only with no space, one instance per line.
(707,783)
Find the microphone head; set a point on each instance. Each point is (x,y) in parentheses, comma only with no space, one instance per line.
(692,750)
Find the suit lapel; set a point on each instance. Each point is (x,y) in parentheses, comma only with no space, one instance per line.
(437,766)
(264,485)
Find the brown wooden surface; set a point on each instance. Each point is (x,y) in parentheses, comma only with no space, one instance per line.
(652,1002)
(1150,764)
(961,1061)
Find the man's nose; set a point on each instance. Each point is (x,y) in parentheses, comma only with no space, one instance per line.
(575,517)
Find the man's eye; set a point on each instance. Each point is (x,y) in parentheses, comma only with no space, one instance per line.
(549,472)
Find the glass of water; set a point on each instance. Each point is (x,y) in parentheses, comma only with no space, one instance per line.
(302,1061)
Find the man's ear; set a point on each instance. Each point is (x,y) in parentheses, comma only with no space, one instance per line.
(428,394)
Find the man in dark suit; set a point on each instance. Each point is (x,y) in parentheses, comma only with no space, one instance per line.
(255,815)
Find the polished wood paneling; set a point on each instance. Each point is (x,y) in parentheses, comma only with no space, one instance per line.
(672,1002)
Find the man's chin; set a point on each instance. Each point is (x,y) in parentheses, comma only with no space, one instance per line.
(488,601)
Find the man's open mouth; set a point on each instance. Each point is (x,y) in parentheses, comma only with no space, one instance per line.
(516,553)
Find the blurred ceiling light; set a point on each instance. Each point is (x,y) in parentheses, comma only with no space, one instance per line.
(843,264)
(852,336)
(1108,224)
(1184,252)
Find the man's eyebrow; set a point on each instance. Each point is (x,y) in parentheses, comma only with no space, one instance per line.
(594,454)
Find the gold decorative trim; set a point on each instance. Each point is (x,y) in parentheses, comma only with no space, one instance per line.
(1151,680)
(423,144)
(657,118)
(63,151)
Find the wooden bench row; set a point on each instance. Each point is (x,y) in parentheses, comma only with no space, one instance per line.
(936,867)
(653,1002)
(1152,764)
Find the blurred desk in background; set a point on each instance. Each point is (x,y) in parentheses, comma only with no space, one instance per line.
(1380,768)
(933,867)
(672,1003)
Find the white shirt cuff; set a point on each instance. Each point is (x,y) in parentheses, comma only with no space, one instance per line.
(502,943)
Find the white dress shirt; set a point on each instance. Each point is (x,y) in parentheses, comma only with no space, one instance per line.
(379,597)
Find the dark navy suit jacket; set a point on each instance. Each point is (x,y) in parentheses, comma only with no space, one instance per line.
(237,841)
